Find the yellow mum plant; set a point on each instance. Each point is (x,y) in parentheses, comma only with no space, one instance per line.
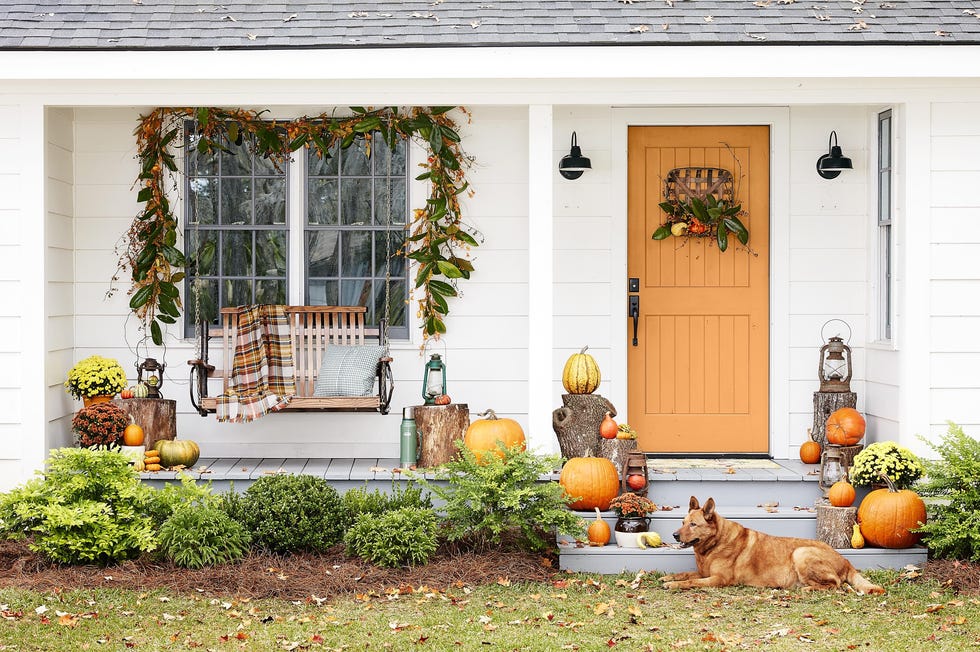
(95,376)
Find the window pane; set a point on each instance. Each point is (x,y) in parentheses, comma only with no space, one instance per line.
(203,203)
(199,164)
(237,292)
(201,247)
(885,143)
(236,201)
(323,293)
(322,201)
(270,201)
(323,253)
(396,302)
(354,162)
(884,196)
(356,292)
(236,162)
(323,166)
(266,166)
(355,201)
(380,156)
(236,254)
(397,209)
(270,253)
(397,262)
(203,302)
(270,292)
(357,253)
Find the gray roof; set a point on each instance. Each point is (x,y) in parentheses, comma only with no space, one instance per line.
(248,24)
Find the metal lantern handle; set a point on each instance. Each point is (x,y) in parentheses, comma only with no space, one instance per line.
(830,321)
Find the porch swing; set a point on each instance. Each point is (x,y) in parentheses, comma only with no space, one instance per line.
(313,330)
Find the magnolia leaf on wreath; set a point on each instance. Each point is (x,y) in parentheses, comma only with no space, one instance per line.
(437,238)
(702,218)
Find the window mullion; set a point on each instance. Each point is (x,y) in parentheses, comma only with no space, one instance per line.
(296,225)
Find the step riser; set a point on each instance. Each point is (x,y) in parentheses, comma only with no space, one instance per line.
(804,527)
(788,494)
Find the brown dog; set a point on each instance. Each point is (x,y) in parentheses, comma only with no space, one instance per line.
(728,553)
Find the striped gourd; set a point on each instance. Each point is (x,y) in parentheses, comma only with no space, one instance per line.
(581,373)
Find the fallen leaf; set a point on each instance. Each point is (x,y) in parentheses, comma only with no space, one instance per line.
(289,18)
(639,29)
(940,32)
(860,25)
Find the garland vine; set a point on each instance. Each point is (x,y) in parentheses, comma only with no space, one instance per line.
(438,240)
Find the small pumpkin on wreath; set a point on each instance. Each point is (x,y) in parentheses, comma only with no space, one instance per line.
(697,218)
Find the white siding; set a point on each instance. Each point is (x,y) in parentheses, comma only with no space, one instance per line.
(954,267)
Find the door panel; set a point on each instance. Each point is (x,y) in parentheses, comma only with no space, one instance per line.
(699,375)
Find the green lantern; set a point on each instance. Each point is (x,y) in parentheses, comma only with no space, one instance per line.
(433,379)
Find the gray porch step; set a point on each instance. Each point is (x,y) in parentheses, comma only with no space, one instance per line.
(611,560)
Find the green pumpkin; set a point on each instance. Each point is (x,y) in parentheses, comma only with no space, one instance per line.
(182,452)
(141,391)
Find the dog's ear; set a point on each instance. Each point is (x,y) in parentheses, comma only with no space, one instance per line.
(694,504)
(709,509)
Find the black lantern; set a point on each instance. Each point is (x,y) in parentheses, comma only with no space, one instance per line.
(154,379)
(573,165)
(835,369)
(830,165)
(433,379)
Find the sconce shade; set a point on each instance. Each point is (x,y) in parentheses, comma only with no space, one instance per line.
(574,164)
(830,165)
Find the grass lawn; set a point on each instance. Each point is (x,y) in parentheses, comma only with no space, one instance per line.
(574,612)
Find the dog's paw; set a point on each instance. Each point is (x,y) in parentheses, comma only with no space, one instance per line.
(666,578)
(671,585)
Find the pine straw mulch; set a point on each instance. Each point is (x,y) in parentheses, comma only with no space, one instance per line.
(259,575)
(330,575)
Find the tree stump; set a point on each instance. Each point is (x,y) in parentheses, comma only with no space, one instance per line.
(616,450)
(824,404)
(835,525)
(156,416)
(577,423)
(439,426)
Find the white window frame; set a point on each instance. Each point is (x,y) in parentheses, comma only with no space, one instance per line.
(884,232)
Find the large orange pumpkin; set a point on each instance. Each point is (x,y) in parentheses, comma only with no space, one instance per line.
(810,452)
(888,515)
(487,435)
(845,427)
(593,480)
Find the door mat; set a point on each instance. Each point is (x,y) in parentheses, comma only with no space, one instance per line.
(667,465)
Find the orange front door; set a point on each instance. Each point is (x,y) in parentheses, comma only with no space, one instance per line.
(699,372)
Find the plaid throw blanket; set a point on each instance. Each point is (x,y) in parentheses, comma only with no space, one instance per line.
(262,377)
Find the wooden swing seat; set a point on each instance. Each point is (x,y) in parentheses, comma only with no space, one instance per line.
(313,329)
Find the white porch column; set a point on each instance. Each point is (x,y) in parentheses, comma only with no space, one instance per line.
(913,337)
(540,310)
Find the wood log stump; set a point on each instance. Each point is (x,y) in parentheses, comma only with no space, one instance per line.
(577,423)
(824,404)
(439,426)
(616,450)
(156,416)
(835,525)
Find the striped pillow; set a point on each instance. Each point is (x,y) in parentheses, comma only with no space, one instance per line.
(348,371)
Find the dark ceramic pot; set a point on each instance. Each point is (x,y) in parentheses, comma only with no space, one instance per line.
(633,524)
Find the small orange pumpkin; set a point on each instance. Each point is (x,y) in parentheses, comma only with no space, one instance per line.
(488,435)
(841,494)
(845,427)
(133,435)
(810,451)
(593,480)
(608,429)
(599,533)
(887,517)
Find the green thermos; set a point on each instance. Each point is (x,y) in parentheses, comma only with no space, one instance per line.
(409,439)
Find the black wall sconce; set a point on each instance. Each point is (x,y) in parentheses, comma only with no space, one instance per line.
(574,164)
(829,165)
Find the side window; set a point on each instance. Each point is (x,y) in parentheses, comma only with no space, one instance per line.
(885,165)
(356,214)
(235,231)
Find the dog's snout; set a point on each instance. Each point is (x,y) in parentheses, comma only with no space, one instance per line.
(677,535)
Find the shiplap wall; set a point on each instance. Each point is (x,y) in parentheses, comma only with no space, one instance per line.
(59,298)
(11,322)
(954,237)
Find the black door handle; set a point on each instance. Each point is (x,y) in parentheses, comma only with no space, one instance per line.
(635,314)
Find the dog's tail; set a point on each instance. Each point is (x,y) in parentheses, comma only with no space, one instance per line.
(860,583)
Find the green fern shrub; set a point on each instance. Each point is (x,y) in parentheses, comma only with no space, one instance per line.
(503,497)
(359,500)
(953,530)
(405,536)
(199,535)
(289,513)
(173,496)
(89,506)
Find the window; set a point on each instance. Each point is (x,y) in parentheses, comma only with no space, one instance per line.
(239,214)
(885,159)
